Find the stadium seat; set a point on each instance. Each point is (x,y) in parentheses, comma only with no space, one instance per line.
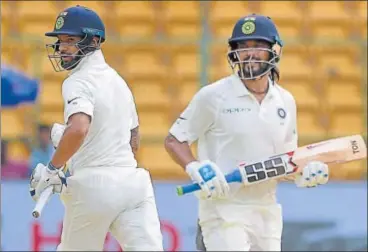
(28,11)
(143,64)
(344,96)
(334,32)
(219,66)
(308,124)
(224,14)
(338,65)
(50,96)
(187,91)
(295,66)
(186,62)
(328,11)
(182,11)
(154,158)
(282,12)
(354,170)
(150,94)
(153,122)
(303,93)
(136,29)
(12,126)
(135,11)
(345,123)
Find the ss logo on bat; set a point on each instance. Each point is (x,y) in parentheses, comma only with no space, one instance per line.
(263,170)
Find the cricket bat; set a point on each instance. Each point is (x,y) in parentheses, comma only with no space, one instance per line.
(337,150)
(41,202)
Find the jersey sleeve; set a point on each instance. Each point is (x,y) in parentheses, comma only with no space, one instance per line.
(195,120)
(78,98)
(292,134)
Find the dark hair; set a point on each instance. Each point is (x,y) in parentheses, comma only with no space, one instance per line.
(275,74)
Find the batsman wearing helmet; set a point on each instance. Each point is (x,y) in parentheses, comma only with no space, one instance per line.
(105,191)
(241,118)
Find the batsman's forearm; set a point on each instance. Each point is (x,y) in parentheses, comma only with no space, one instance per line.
(179,152)
(69,144)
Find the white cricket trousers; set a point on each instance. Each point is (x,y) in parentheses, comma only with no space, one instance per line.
(120,201)
(243,228)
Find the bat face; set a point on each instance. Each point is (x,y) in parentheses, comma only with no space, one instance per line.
(338,150)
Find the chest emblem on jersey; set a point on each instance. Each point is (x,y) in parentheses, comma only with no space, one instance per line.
(281,113)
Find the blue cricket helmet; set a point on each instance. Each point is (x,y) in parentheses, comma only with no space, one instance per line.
(254,27)
(75,21)
(78,21)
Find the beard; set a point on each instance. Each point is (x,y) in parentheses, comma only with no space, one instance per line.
(254,69)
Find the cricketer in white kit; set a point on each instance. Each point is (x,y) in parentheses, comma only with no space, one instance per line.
(105,191)
(244,117)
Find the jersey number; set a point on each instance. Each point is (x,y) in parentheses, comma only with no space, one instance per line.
(264,170)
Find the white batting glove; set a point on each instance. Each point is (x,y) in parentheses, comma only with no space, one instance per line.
(42,177)
(210,178)
(313,174)
(57,132)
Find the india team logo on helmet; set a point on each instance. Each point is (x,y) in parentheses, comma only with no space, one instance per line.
(59,23)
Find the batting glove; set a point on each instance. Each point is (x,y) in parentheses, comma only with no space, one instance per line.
(42,177)
(210,178)
(313,174)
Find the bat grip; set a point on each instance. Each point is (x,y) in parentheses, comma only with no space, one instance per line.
(41,202)
(232,177)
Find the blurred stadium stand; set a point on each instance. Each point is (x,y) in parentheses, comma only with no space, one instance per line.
(167,50)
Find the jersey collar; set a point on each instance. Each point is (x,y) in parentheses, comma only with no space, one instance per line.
(241,90)
(93,58)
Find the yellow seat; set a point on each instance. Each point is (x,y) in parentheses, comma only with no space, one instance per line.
(189,31)
(339,65)
(185,62)
(155,158)
(308,124)
(344,96)
(27,10)
(182,11)
(219,66)
(330,32)
(347,123)
(282,11)
(362,10)
(328,11)
(136,29)
(50,96)
(12,125)
(303,93)
(51,117)
(135,11)
(150,94)
(187,91)
(18,150)
(229,11)
(293,65)
(153,122)
(146,63)
(223,16)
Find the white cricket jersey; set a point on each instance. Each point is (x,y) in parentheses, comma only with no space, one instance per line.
(231,126)
(97,90)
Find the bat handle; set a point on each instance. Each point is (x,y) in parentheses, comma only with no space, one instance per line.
(232,177)
(44,197)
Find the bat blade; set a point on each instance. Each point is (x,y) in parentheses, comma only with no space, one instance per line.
(337,150)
